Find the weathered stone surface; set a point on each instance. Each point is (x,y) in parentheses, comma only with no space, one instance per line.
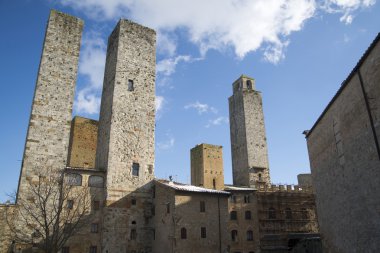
(126,136)
(207,166)
(250,165)
(49,127)
(83,140)
(345,161)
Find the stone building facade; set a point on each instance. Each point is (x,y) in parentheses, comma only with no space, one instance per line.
(207,166)
(131,210)
(344,154)
(83,140)
(247,131)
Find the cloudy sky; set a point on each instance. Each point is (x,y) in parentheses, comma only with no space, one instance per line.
(298,51)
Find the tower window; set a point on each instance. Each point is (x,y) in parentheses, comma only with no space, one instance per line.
(247,199)
(249,84)
(233,215)
(183,233)
(93,249)
(133,201)
(202,206)
(133,235)
(203,232)
(214,183)
(247,215)
(249,235)
(94,228)
(135,169)
(234,235)
(260,178)
(168,208)
(130,85)
(70,204)
(65,250)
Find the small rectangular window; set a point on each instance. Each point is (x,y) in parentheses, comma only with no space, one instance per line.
(247,199)
(94,228)
(135,169)
(168,208)
(203,232)
(130,85)
(70,204)
(202,206)
(93,249)
(133,201)
(65,250)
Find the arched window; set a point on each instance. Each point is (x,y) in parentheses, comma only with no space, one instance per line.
(233,215)
(96,181)
(234,235)
(272,213)
(249,235)
(183,233)
(249,84)
(288,213)
(73,179)
(304,214)
(247,215)
(260,178)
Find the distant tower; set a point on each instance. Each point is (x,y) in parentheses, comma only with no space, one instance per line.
(48,133)
(207,166)
(248,140)
(125,147)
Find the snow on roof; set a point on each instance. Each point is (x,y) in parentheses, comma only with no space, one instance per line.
(237,188)
(190,188)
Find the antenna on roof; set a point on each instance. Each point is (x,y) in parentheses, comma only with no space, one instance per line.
(171,178)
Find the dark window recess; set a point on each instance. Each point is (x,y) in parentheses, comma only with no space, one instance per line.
(249,84)
(203,232)
(154,234)
(233,215)
(247,199)
(130,85)
(233,199)
(70,204)
(133,201)
(183,233)
(135,169)
(96,205)
(93,249)
(133,234)
(96,181)
(214,183)
(272,213)
(234,235)
(153,210)
(65,250)
(134,222)
(168,208)
(154,191)
(248,215)
(249,235)
(260,178)
(94,228)
(202,206)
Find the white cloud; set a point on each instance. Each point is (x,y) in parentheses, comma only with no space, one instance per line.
(160,101)
(346,7)
(91,65)
(244,25)
(167,66)
(201,108)
(167,144)
(217,121)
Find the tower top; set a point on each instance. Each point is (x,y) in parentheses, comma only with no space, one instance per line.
(243,83)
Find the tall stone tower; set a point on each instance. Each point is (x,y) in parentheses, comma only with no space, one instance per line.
(48,133)
(125,147)
(247,131)
(207,166)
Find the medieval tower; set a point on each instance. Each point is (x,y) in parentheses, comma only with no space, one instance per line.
(207,166)
(48,133)
(125,147)
(248,140)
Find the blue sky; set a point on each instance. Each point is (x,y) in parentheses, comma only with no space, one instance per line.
(298,51)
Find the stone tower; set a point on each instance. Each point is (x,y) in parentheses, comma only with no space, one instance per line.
(48,133)
(247,131)
(125,147)
(207,166)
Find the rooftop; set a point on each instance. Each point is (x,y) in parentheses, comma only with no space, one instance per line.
(188,188)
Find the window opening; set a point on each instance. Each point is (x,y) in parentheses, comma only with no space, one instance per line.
(135,169)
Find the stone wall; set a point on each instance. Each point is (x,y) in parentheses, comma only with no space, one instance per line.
(5,236)
(248,139)
(83,140)
(50,120)
(125,147)
(345,161)
(184,212)
(207,166)
(242,201)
